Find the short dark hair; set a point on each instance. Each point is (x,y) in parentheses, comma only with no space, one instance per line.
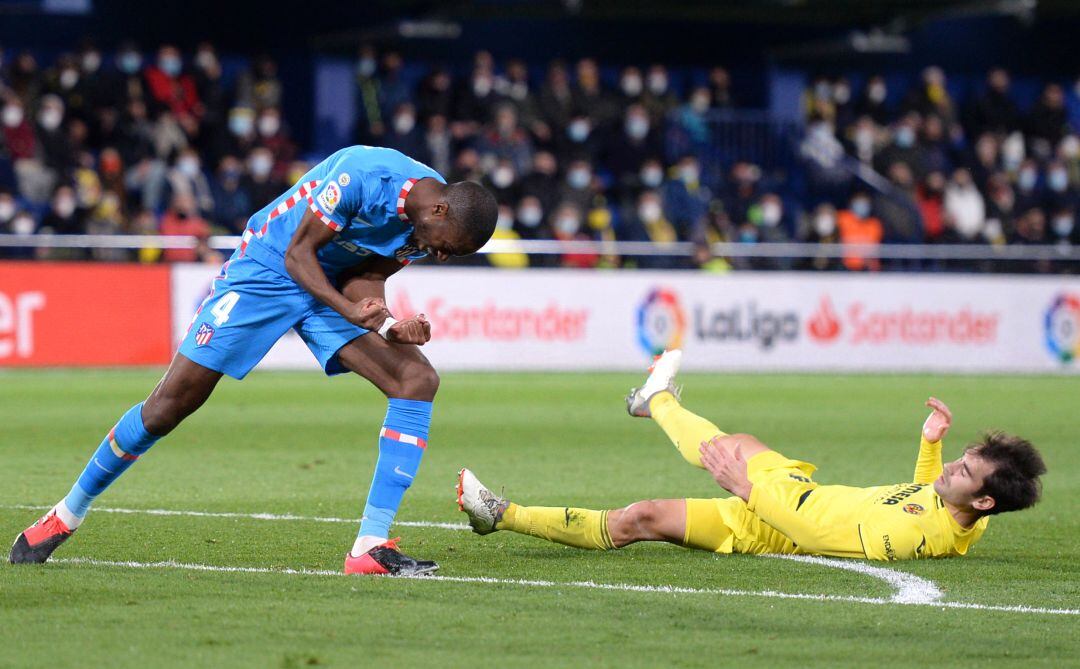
(1014,483)
(473,210)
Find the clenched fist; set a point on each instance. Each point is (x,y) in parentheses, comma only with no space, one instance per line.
(369,313)
(412,331)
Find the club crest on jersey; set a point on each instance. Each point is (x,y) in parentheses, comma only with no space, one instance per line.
(344,179)
(914,509)
(204,334)
(330,197)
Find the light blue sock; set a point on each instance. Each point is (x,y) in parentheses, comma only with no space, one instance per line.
(119,450)
(401,445)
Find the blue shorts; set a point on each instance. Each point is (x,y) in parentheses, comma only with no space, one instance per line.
(249,308)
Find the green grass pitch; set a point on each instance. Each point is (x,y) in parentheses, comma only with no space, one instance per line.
(297,443)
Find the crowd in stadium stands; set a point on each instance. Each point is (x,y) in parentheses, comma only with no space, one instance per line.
(162,145)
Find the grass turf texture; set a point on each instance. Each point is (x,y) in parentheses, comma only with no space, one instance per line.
(301,444)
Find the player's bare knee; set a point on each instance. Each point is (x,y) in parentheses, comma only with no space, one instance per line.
(419,381)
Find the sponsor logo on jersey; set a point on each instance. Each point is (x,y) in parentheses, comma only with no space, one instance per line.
(344,179)
(330,197)
(914,509)
(903,493)
(800,478)
(204,334)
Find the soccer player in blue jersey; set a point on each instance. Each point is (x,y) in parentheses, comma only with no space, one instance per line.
(315,259)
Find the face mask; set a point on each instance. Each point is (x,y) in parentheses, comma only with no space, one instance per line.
(824,225)
(652,176)
(230,174)
(632,86)
(770,213)
(240,124)
(864,138)
(64,207)
(567,226)
(7,209)
(269,125)
(13,115)
(404,123)
(1058,180)
(189,167)
(658,84)
(205,60)
(519,90)
(504,222)
(170,65)
(50,118)
(841,94)
(1012,151)
(530,216)
(877,93)
(700,103)
(1070,146)
(23,225)
(822,90)
(365,67)
(860,208)
(91,61)
(578,130)
(481,87)
(68,79)
(649,212)
(1027,178)
(129,62)
(905,137)
(637,127)
(502,177)
(578,178)
(1063,226)
(689,174)
(261,166)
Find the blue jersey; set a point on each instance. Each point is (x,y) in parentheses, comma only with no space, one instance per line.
(359,192)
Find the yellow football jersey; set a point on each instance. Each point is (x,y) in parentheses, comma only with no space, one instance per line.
(891,522)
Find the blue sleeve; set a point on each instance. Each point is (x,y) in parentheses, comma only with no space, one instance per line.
(340,195)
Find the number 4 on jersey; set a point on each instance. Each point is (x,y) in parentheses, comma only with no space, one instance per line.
(224,305)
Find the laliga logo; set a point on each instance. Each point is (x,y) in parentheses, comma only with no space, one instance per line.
(1062,326)
(824,325)
(661,322)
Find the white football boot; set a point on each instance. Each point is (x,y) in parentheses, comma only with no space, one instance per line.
(661,378)
(483,507)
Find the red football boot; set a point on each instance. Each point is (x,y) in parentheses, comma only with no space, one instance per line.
(387,559)
(37,542)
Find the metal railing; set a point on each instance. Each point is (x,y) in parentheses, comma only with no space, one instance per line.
(794,250)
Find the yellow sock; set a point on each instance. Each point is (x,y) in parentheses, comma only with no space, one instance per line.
(685,429)
(580,528)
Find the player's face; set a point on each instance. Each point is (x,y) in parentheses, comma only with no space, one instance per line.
(962,479)
(440,241)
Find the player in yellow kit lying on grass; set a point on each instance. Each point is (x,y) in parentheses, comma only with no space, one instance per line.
(777,507)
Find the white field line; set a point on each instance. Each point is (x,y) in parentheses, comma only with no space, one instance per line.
(252,516)
(910,589)
(621,587)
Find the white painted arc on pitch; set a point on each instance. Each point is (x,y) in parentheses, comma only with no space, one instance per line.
(910,589)
(620,587)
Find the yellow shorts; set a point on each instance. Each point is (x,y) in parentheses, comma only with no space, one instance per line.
(727,526)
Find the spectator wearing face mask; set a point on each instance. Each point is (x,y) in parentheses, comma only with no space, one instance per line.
(904,148)
(274,135)
(772,228)
(687,199)
(505,139)
(503,182)
(646,221)
(529,219)
(578,139)
(591,99)
(631,144)
(242,136)
(232,202)
(438,144)
(173,90)
(506,234)
(985,159)
(474,102)
(631,86)
(370,125)
(63,218)
(658,97)
(517,92)
(52,137)
(542,181)
(8,208)
(22,223)
(567,222)
(62,80)
(182,218)
(897,209)
(874,101)
(856,226)
(821,228)
(260,182)
(186,177)
(1060,193)
(34,180)
(1063,231)
(435,95)
(692,122)
(215,98)
(405,134)
(577,186)
(1029,190)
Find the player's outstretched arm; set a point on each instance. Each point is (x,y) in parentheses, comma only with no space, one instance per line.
(928,465)
(303,266)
